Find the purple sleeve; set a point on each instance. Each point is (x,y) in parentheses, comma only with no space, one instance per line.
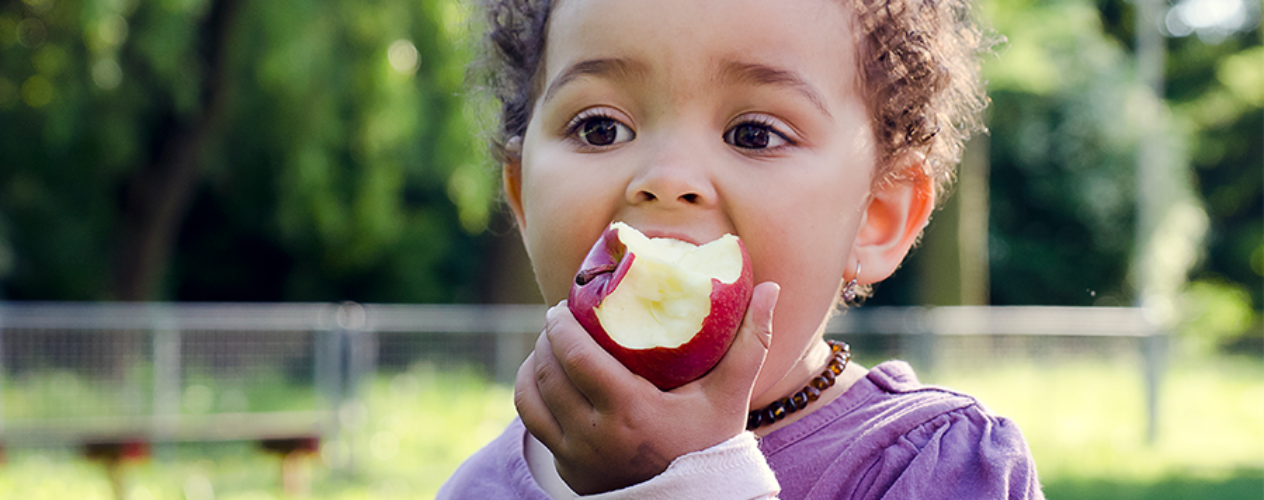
(496,471)
(964,454)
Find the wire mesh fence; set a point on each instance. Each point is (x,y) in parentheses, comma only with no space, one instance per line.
(85,374)
(81,375)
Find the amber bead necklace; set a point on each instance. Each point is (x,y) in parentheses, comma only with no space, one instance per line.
(840,356)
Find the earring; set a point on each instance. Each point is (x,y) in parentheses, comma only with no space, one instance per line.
(849,290)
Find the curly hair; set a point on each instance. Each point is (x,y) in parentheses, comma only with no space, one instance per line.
(919,74)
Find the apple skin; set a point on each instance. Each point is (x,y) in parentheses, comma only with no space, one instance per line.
(667,368)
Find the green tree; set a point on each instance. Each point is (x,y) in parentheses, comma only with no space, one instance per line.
(1067,119)
(238,150)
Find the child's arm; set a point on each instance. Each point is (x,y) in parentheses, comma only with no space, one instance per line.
(968,453)
(608,428)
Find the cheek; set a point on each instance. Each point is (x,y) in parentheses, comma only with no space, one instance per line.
(804,245)
(565,209)
(809,279)
(804,240)
(552,242)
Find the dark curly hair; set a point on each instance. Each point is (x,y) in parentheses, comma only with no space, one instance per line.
(919,72)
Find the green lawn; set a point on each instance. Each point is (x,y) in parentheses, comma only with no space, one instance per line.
(1085,423)
(403,442)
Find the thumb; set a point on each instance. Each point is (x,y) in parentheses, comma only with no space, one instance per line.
(734,376)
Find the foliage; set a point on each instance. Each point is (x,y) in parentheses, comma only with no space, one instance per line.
(333,156)
(1062,158)
(1216,92)
(1067,121)
(1217,313)
(328,150)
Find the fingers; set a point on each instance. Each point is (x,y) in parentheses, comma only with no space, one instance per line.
(544,396)
(556,387)
(592,370)
(735,375)
(534,413)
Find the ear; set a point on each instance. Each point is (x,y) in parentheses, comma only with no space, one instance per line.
(511,174)
(899,207)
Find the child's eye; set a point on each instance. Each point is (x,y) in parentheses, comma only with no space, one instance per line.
(755,134)
(596,129)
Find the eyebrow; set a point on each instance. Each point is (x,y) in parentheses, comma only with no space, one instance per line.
(612,68)
(762,74)
(731,71)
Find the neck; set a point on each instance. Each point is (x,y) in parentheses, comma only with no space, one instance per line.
(810,365)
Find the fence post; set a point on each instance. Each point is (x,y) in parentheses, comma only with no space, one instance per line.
(328,367)
(920,322)
(165,330)
(361,347)
(1154,350)
(351,320)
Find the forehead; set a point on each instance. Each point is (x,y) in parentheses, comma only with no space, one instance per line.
(811,38)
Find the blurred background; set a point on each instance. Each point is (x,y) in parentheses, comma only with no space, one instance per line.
(254,249)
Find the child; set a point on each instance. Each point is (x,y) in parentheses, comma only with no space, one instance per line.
(820,132)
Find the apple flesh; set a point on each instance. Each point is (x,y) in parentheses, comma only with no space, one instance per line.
(665,308)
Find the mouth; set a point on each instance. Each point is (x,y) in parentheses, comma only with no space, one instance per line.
(653,233)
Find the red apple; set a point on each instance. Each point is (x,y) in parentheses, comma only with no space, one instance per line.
(665,308)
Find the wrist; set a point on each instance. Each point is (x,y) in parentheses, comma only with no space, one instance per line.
(734,468)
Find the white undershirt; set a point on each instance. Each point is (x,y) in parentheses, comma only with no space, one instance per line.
(732,470)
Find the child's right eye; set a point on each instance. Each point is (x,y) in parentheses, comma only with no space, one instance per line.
(595,129)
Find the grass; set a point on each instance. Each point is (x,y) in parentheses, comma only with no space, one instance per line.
(61,393)
(409,435)
(1086,425)
(1085,422)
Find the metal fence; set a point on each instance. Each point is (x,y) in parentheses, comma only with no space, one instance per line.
(75,374)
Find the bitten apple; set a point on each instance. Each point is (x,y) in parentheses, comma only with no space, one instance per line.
(665,308)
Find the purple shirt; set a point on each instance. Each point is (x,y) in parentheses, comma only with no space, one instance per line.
(887,437)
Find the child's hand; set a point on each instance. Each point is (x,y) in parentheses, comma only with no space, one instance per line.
(609,428)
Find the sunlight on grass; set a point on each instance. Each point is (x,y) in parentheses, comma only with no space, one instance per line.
(411,432)
(422,425)
(40,478)
(1087,420)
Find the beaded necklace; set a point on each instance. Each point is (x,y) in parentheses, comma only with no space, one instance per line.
(809,393)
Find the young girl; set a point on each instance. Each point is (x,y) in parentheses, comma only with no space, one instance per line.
(820,132)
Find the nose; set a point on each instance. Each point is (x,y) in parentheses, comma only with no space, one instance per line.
(673,179)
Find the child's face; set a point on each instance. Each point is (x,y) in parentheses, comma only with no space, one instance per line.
(692,119)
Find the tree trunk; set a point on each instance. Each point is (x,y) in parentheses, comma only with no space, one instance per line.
(157,198)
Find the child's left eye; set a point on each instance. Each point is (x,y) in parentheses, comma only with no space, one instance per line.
(757,135)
